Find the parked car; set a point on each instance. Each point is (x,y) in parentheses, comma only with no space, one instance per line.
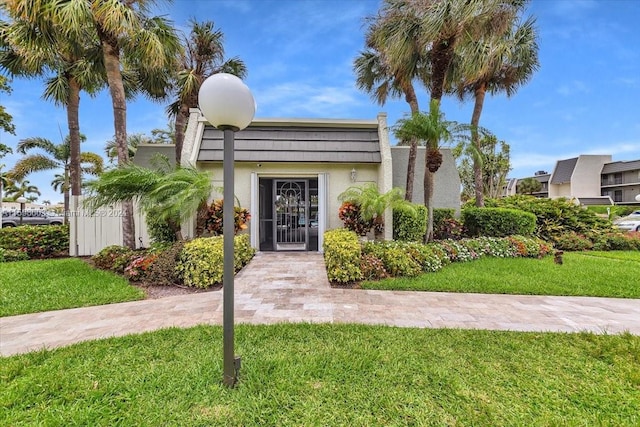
(629,222)
(31,217)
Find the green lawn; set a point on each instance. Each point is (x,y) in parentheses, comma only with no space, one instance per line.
(601,274)
(35,286)
(333,375)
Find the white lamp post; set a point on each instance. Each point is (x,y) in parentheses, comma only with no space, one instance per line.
(22,200)
(227,103)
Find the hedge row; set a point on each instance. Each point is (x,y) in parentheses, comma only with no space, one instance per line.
(196,263)
(36,241)
(348,261)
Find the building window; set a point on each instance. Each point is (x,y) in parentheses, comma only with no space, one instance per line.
(618,178)
(617,196)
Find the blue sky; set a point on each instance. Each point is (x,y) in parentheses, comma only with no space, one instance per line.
(585,99)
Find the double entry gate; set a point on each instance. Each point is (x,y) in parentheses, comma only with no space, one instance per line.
(289,215)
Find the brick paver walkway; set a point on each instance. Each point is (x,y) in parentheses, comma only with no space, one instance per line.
(292,287)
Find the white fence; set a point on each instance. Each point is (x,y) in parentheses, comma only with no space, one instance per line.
(92,232)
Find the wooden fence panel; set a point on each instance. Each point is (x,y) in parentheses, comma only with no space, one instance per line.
(90,233)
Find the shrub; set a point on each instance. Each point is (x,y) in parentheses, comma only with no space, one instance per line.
(498,222)
(9,255)
(617,241)
(160,230)
(429,259)
(409,222)
(572,241)
(349,214)
(212,218)
(372,268)
(449,228)
(37,241)
(458,251)
(114,258)
(342,256)
(440,214)
(139,267)
(395,257)
(529,247)
(492,246)
(201,260)
(554,216)
(163,270)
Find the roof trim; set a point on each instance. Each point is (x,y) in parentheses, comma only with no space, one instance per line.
(307,122)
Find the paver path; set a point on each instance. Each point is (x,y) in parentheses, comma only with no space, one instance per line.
(292,287)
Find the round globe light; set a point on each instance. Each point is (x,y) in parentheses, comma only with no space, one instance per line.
(21,200)
(226,102)
(638,198)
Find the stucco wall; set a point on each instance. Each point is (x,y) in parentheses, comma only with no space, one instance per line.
(446,180)
(585,181)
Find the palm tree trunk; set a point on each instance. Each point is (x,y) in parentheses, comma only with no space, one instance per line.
(180,125)
(412,100)
(116,89)
(73,105)
(441,60)
(428,202)
(65,194)
(475,140)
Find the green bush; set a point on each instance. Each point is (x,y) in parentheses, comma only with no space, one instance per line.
(160,231)
(114,258)
(163,270)
(201,260)
(530,247)
(554,216)
(43,241)
(409,222)
(572,241)
(342,255)
(617,241)
(9,255)
(498,222)
(441,214)
(396,258)
(372,268)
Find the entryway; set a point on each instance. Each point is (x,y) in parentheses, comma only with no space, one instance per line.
(288,214)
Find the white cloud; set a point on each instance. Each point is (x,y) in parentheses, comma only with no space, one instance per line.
(300,99)
(572,88)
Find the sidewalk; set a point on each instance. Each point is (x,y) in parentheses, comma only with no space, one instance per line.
(292,287)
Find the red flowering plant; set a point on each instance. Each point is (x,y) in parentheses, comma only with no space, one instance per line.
(137,269)
(349,213)
(211,220)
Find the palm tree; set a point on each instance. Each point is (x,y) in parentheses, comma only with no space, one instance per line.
(441,26)
(494,64)
(428,128)
(175,195)
(21,189)
(375,75)
(135,47)
(53,157)
(36,46)
(203,56)
(111,149)
(373,204)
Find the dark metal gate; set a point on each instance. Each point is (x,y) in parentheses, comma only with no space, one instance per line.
(290,212)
